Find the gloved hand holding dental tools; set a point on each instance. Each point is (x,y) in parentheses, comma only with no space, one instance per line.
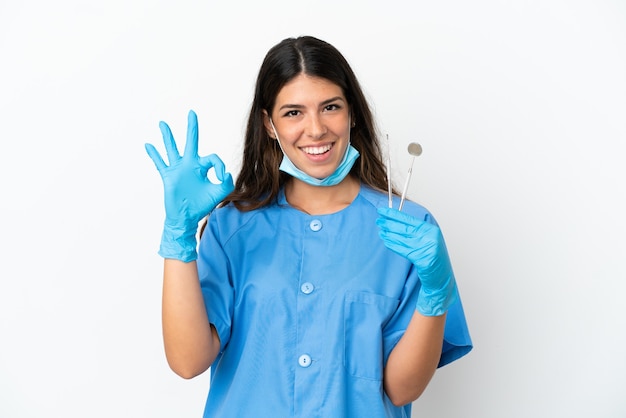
(421,243)
(189,194)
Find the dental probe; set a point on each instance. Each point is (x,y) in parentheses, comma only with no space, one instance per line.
(389,173)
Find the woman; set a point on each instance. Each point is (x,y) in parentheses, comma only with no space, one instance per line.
(307,296)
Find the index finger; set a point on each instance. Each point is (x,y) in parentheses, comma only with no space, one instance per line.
(215,162)
(396,215)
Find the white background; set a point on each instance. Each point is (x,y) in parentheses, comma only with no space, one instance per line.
(520,108)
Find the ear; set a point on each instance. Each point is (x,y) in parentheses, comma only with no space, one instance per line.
(268,125)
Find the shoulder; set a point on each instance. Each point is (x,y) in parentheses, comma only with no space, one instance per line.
(226,221)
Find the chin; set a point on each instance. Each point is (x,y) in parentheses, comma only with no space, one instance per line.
(320,176)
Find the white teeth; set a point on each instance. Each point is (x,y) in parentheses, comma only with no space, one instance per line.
(317,150)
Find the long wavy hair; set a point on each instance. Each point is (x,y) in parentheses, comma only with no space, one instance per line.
(260,180)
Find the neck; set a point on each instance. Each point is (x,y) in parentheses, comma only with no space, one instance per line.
(321,200)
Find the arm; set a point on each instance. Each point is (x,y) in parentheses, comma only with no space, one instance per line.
(191,343)
(413,361)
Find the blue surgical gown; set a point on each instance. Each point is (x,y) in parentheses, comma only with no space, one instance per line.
(308,308)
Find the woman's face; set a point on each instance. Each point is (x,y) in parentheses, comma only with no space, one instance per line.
(312,120)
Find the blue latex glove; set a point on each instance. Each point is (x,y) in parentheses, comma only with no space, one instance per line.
(421,243)
(189,194)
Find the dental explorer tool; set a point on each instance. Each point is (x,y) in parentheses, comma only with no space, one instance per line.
(389,174)
(415,150)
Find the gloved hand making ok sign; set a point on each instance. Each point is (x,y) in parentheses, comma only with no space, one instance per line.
(189,194)
(421,243)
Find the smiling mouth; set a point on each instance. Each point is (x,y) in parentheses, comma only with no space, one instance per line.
(317,150)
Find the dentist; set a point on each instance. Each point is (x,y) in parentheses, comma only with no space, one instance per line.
(306,295)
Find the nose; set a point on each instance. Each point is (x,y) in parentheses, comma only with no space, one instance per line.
(316,128)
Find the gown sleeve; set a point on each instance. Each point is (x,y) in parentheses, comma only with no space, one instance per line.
(215,280)
(456,339)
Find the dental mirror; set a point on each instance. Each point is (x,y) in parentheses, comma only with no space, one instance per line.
(415,150)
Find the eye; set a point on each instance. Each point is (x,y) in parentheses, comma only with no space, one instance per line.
(331,107)
(291,113)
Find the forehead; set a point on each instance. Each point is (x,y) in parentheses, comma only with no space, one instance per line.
(305,89)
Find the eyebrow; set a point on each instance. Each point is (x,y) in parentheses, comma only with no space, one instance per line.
(325,102)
